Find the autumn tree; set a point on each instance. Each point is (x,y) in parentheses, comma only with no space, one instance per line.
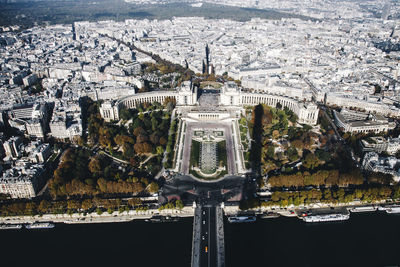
(95,165)
(153,187)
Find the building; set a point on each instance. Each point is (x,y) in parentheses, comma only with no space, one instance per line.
(12,147)
(380,144)
(230,95)
(66,121)
(358,122)
(35,128)
(388,165)
(21,182)
(40,153)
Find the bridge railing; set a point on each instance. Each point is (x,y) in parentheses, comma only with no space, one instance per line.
(196,237)
(220,238)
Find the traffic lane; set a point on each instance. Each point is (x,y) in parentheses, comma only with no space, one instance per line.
(204,237)
(212,243)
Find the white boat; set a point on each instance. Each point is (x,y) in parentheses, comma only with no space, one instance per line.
(270,215)
(393,209)
(37,225)
(326,217)
(240,219)
(10,226)
(363,209)
(389,208)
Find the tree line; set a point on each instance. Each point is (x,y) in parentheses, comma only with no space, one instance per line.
(321,177)
(334,196)
(68,206)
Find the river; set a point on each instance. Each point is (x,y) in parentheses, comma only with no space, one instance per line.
(368,239)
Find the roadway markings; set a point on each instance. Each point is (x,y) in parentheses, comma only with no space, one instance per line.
(211,253)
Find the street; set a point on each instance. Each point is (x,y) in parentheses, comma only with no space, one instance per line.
(208,245)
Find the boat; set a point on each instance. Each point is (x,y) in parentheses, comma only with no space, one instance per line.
(241,219)
(363,209)
(10,226)
(390,208)
(270,215)
(37,225)
(326,217)
(159,218)
(393,209)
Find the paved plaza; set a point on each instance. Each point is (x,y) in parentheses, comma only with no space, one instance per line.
(227,133)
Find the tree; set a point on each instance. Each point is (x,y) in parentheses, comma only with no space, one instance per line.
(159,150)
(153,187)
(73,204)
(95,165)
(138,148)
(292,154)
(87,204)
(270,152)
(163,141)
(139,131)
(105,137)
(44,206)
(147,148)
(154,138)
(310,161)
(298,144)
(179,204)
(306,128)
(323,155)
(121,139)
(141,138)
(124,114)
(275,134)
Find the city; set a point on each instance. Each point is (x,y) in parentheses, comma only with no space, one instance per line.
(221,120)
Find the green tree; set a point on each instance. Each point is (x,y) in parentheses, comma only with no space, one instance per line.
(310,161)
(179,204)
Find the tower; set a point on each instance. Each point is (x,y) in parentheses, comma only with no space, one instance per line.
(207,59)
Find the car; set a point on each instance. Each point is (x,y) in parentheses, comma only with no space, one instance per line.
(202,238)
(204,212)
(204,222)
(206,249)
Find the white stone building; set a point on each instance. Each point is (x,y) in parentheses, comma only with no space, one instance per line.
(21,182)
(388,165)
(357,122)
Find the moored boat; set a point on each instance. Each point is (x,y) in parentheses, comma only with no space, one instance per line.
(326,217)
(39,225)
(395,209)
(363,209)
(159,218)
(270,215)
(240,219)
(10,226)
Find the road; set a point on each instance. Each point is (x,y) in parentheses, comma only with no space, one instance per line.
(208,245)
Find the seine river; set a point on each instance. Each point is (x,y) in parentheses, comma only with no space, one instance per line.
(371,239)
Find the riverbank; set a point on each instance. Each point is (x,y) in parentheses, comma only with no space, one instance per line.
(79,218)
(127,216)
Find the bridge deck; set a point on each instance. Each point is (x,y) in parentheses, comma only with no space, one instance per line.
(208,238)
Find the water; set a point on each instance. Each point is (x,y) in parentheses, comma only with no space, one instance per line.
(368,239)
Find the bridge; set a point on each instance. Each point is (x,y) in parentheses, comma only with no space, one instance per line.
(208,249)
